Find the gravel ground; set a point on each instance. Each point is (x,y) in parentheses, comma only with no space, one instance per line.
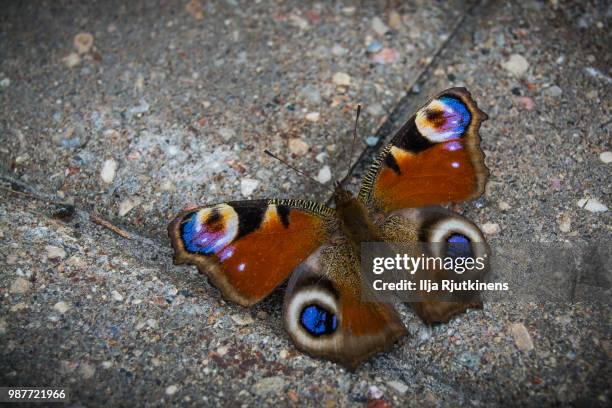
(172,104)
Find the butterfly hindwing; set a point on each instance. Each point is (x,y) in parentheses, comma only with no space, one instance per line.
(248,248)
(434,158)
(440,233)
(325,313)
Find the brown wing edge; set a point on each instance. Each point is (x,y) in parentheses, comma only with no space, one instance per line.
(472,141)
(210,268)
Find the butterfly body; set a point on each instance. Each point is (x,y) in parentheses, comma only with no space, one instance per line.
(248,248)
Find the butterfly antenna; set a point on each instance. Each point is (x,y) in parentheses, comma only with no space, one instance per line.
(350,157)
(301,172)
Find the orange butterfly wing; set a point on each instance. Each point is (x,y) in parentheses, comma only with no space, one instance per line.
(434,158)
(248,248)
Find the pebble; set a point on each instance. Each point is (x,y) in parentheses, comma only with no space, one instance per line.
(324,174)
(374,393)
(11,259)
(19,286)
(592,205)
(553,91)
(503,206)
(284,353)
(54,252)
(107,364)
(87,371)
(526,102)
(339,50)
(142,107)
(83,42)
(270,385)
(18,306)
(171,389)
(127,205)
(5,82)
(194,7)
(398,386)
(522,339)
(298,147)
(341,79)
(491,228)
(605,157)
(372,141)
(386,56)
(374,46)
(242,319)
(379,26)
(517,65)
(222,350)
(118,297)
(313,116)
(395,20)
(247,186)
(61,307)
(109,168)
(71,60)
(565,223)
(226,133)
(321,157)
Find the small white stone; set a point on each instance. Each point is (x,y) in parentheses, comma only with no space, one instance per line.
(19,286)
(54,252)
(338,50)
(83,42)
(298,147)
(227,133)
(171,389)
(72,60)
(247,186)
(517,65)
(242,319)
(269,385)
(118,297)
(313,116)
(522,339)
(324,174)
(379,26)
(127,205)
(565,223)
(341,79)
(152,323)
(398,386)
(222,350)
(491,228)
(87,370)
(5,82)
(109,168)
(283,354)
(605,157)
(504,206)
(592,205)
(107,364)
(61,307)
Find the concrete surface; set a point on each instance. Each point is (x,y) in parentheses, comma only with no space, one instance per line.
(181,101)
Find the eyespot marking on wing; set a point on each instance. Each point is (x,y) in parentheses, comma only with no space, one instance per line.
(443,119)
(318,321)
(209,230)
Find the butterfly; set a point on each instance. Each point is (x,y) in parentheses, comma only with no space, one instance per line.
(249,248)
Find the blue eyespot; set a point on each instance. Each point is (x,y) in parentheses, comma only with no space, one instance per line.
(458,245)
(318,321)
